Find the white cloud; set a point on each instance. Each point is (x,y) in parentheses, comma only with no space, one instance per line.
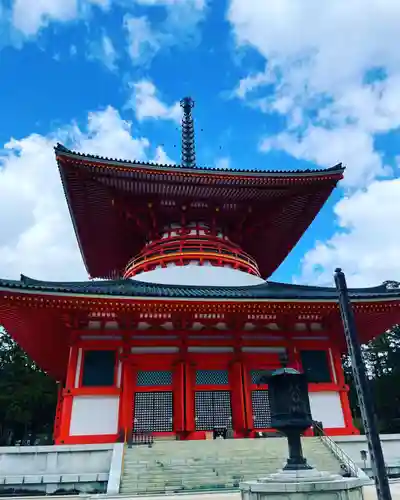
(178,26)
(104,51)
(367,244)
(147,104)
(332,70)
(36,235)
(224,163)
(252,82)
(162,158)
(109,53)
(327,147)
(104,4)
(320,64)
(197,4)
(30,16)
(143,42)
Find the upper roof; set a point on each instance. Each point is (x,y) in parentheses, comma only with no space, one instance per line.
(265,212)
(119,163)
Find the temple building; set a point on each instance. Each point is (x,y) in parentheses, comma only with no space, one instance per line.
(176,322)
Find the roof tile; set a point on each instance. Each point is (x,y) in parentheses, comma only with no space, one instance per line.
(134,288)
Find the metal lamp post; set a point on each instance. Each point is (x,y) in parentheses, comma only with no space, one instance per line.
(290,411)
(363,389)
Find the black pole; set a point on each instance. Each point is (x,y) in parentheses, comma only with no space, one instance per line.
(363,389)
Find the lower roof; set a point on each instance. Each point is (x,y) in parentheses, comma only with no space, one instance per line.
(134,288)
(35,313)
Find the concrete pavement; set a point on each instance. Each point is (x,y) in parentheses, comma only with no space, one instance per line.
(369,494)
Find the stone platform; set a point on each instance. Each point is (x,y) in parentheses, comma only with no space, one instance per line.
(308,484)
(368,492)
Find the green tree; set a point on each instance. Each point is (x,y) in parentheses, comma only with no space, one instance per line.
(28,396)
(383,358)
(382,361)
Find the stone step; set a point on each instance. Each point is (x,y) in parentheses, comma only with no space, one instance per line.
(158,461)
(185,474)
(169,466)
(264,468)
(187,466)
(196,484)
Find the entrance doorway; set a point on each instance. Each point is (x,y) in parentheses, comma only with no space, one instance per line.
(213,410)
(153,412)
(261,409)
(153,401)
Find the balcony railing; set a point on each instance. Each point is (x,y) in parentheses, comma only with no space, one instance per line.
(181,250)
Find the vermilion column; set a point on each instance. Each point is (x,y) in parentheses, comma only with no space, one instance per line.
(57,419)
(237,396)
(247,399)
(72,366)
(189,390)
(126,406)
(343,392)
(178,396)
(67,397)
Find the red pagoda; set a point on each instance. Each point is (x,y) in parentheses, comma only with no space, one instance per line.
(171,332)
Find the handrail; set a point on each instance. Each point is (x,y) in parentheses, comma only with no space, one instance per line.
(123,451)
(202,238)
(196,254)
(187,249)
(346,463)
(142,438)
(204,244)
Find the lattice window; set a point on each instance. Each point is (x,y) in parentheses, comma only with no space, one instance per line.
(256,374)
(212,377)
(213,409)
(153,412)
(316,366)
(152,378)
(98,368)
(261,409)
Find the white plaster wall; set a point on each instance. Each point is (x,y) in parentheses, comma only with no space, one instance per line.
(94,415)
(196,275)
(353,445)
(326,408)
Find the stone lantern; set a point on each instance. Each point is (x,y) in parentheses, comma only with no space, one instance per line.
(291,415)
(290,412)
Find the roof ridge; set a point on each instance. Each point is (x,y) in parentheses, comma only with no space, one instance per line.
(109,287)
(61,149)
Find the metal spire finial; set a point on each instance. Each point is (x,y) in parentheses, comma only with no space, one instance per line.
(188,144)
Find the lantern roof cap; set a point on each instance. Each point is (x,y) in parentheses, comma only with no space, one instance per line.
(285,371)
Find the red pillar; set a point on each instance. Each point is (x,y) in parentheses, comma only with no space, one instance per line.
(67,398)
(178,397)
(72,366)
(247,399)
(126,403)
(130,411)
(237,397)
(190,385)
(343,392)
(57,419)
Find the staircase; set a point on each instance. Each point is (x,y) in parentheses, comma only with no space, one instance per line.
(189,466)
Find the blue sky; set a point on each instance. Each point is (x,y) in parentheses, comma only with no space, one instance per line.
(278,85)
